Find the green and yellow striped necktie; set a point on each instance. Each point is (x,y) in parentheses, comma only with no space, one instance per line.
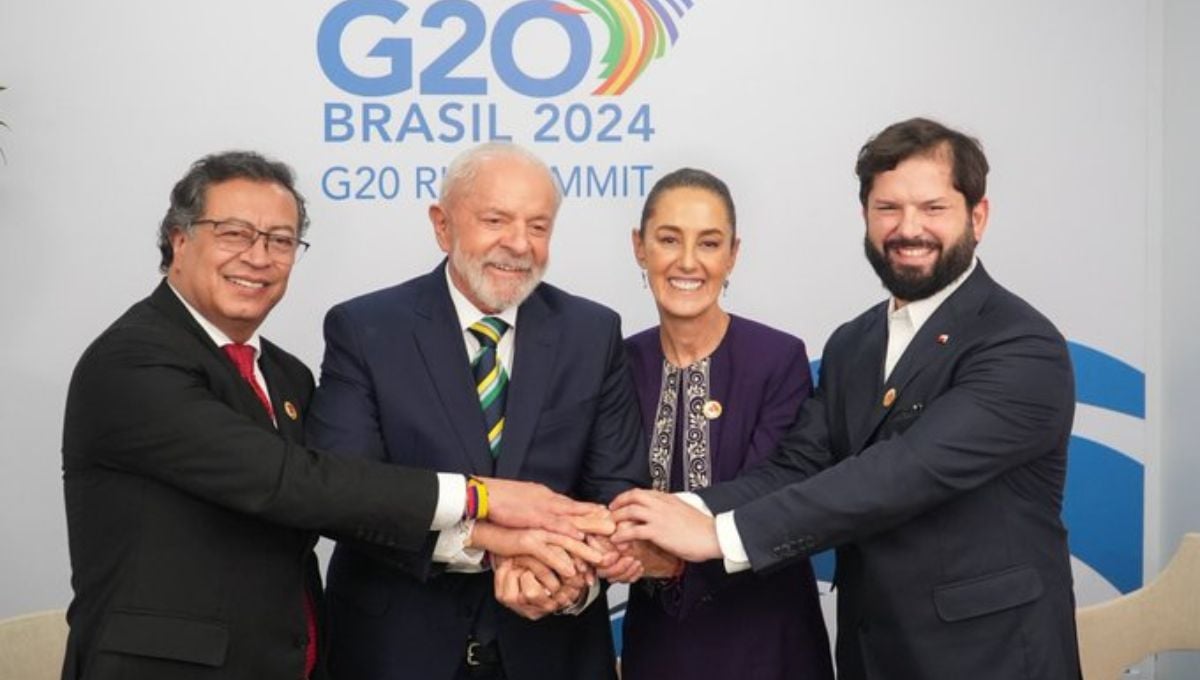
(491,380)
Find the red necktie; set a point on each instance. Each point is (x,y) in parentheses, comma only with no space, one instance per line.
(242,356)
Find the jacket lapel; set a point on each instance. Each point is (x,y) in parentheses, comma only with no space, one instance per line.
(284,397)
(247,404)
(440,341)
(949,320)
(864,390)
(533,364)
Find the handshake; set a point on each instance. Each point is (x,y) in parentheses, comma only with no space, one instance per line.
(547,550)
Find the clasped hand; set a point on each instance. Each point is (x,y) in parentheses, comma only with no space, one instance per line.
(548,550)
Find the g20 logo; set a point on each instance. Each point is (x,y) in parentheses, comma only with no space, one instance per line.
(638,32)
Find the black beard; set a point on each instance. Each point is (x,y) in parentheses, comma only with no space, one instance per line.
(908,285)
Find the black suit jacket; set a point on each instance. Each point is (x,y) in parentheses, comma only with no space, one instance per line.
(191,518)
(396,386)
(944,502)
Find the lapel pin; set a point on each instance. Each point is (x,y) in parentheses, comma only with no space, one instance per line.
(943,339)
(712,409)
(290,409)
(889,397)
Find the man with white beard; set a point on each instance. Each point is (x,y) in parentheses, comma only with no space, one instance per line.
(480,368)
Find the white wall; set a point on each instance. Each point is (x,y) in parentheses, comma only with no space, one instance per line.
(1180,509)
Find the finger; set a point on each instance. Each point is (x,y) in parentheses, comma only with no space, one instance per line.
(631,574)
(601,524)
(508,590)
(633,512)
(633,496)
(623,547)
(567,597)
(561,524)
(610,552)
(555,558)
(531,590)
(577,548)
(609,572)
(622,571)
(621,499)
(601,543)
(635,532)
(544,575)
(563,505)
(537,596)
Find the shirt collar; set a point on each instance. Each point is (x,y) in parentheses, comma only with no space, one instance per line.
(468,313)
(919,311)
(216,334)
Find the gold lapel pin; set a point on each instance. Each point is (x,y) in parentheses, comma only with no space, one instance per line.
(712,409)
(889,397)
(943,339)
(290,409)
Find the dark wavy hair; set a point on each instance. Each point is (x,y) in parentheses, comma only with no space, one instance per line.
(923,137)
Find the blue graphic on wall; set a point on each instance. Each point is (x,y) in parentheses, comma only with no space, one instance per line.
(1104,502)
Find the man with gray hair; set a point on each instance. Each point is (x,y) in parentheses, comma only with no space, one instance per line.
(480,368)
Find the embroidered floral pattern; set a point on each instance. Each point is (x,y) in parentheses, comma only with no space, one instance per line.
(693,380)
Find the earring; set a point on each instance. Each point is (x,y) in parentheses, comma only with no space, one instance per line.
(725,288)
(645,283)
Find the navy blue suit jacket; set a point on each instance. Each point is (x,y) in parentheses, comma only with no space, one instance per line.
(396,386)
(944,500)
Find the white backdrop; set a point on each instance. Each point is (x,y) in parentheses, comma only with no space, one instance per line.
(109,102)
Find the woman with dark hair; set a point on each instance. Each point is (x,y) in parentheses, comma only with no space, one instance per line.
(716,393)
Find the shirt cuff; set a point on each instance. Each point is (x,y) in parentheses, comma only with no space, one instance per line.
(730,541)
(578,608)
(452,498)
(450,550)
(695,501)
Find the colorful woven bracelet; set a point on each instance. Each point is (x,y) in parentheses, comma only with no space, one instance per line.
(477,499)
(482,490)
(472,502)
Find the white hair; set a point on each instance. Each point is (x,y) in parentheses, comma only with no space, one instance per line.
(465,167)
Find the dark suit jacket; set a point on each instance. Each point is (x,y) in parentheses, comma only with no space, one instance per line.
(396,386)
(707,623)
(191,518)
(944,504)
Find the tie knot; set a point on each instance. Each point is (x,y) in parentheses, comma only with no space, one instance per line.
(242,356)
(489,330)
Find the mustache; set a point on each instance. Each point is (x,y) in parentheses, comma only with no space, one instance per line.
(508,261)
(900,242)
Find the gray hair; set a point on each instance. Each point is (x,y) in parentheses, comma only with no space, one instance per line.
(463,170)
(187,198)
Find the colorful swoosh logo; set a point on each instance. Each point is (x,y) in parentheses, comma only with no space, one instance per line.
(638,32)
